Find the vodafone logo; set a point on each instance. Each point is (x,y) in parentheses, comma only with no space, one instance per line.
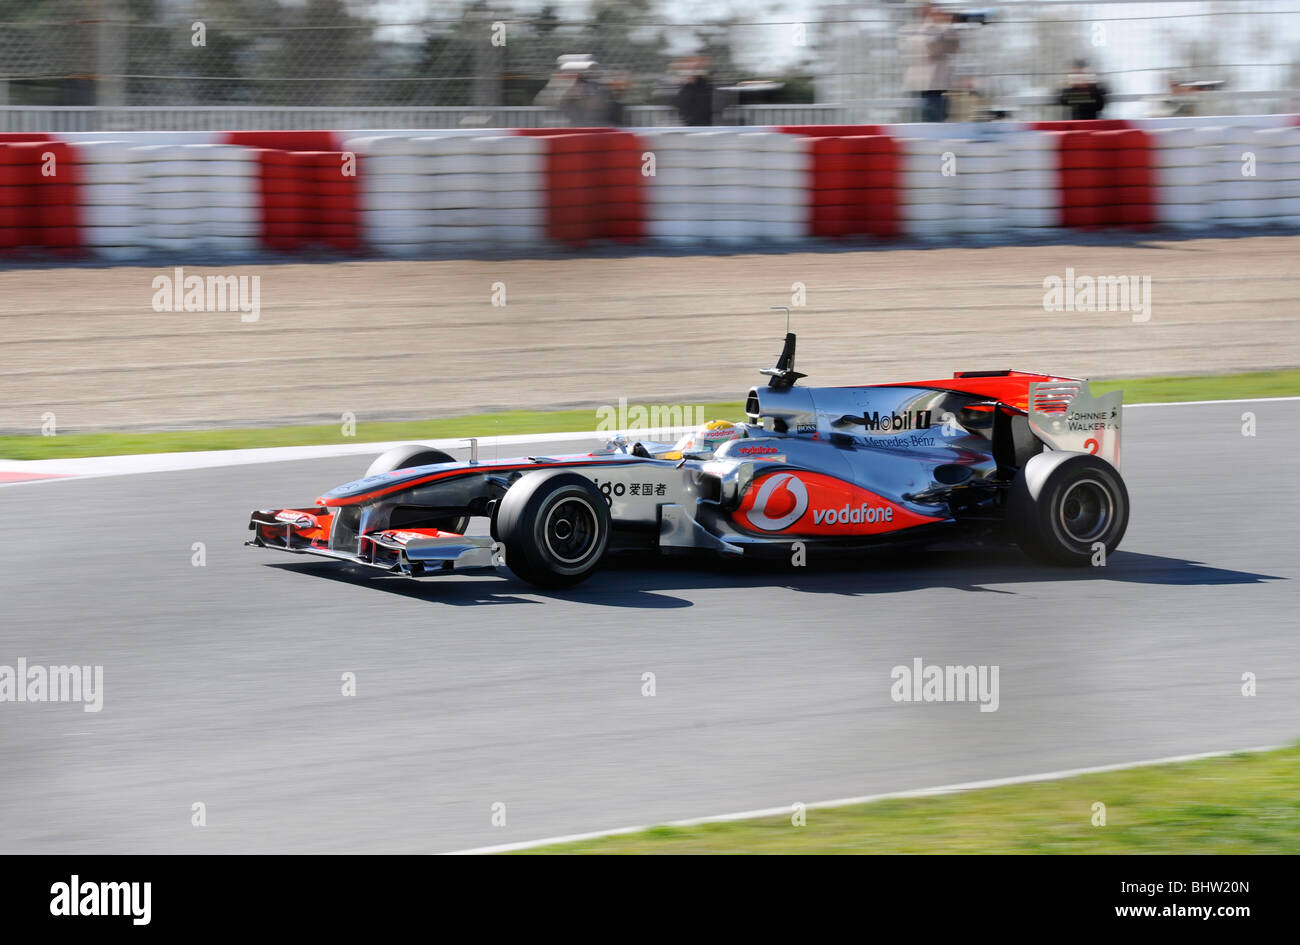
(780,502)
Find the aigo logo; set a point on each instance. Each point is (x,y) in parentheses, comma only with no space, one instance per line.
(780,502)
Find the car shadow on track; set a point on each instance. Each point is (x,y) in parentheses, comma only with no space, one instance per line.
(649,581)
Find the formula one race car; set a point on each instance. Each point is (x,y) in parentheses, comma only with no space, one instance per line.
(1032,457)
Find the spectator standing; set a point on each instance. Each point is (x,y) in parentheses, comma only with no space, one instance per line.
(694,100)
(616,84)
(587,104)
(1084,94)
(577,91)
(926,49)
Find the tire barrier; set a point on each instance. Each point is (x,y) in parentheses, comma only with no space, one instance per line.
(411,193)
(1105,178)
(308,188)
(994,184)
(855,186)
(594,185)
(40,197)
(309,199)
(722,187)
(284,140)
(442,193)
(196,198)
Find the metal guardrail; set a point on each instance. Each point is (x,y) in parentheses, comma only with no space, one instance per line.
(29,118)
(1019,107)
(24,118)
(243,118)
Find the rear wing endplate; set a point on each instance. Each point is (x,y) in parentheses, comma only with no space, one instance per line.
(1065,415)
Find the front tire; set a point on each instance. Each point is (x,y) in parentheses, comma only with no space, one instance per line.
(555,527)
(405,457)
(1062,504)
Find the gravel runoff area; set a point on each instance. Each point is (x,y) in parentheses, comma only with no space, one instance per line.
(416,339)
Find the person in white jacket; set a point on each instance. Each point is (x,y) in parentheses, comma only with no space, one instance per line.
(926,49)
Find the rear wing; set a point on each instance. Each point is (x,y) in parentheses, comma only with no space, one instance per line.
(1065,415)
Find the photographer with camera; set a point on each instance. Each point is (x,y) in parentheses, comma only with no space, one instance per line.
(926,48)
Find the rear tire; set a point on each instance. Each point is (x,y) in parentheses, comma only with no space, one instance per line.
(1062,504)
(555,527)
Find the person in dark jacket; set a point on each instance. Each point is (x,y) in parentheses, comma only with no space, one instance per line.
(694,101)
(1084,94)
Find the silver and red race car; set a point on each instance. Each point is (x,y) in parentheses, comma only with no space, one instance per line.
(1030,457)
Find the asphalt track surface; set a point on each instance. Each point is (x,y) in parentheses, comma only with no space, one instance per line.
(222,683)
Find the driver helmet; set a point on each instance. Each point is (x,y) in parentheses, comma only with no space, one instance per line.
(707,437)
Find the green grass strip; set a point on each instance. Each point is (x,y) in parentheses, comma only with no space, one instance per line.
(1241,803)
(63,446)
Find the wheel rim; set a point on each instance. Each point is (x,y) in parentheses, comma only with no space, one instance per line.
(571,530)
(1086,510)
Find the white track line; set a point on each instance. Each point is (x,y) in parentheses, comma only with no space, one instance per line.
(135,464)
(1196,403)
(866,799)
(96,466)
